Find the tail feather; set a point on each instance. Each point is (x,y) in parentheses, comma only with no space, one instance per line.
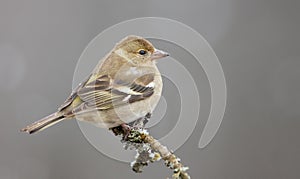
(43,123)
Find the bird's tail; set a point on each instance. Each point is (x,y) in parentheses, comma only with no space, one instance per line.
(43,123)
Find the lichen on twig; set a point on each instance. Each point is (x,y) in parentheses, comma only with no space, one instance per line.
(150,150)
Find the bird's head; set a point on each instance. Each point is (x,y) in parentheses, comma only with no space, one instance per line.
(138,50)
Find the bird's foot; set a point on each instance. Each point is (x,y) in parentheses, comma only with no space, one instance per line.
(126,130)
(117,130)
(123,129)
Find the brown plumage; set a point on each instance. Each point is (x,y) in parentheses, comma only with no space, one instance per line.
(123,87)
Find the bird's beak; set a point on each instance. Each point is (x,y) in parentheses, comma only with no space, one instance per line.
(157,54)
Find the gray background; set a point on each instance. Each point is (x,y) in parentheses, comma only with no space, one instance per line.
(257,43)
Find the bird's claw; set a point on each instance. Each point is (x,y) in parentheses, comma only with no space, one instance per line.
(126,130)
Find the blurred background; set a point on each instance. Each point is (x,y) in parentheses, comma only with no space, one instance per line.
(257,43)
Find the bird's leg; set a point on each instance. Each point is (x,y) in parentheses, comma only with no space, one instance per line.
(117,130)
(126,130)
(148,115)
(146,118)
(141,122)
(138,124)
(123,129)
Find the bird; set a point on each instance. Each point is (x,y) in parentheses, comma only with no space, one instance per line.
(124,87)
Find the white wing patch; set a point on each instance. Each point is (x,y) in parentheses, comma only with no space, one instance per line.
(151,85)
(126,98)
(127,90)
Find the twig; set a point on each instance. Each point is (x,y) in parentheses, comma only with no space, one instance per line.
(149,150)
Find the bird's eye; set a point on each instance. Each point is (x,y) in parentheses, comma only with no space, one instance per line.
(142,52)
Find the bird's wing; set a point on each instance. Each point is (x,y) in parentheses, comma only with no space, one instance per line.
(73,95)
(103,93)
